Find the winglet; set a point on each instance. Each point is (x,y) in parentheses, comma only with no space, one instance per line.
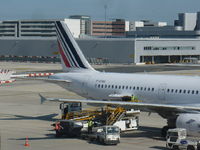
(42,99)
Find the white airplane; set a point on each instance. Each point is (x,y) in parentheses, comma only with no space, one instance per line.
(175,98)
(5,76)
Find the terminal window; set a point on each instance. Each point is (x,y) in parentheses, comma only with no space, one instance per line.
(170,48)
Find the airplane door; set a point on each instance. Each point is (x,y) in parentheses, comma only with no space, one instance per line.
(84,86)
(162,91)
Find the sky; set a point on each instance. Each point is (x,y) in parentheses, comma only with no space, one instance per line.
(133,10)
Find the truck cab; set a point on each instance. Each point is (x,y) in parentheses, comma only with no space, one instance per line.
(108,134)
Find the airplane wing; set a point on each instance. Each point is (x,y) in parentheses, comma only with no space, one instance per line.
(8,76)
(136,105)
(51,80)
(40,76)
(31,75)
(5,76)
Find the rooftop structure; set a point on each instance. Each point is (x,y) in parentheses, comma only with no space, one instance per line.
(74,26)
(108,28)
(28,28)
(187,21)
(85,24)
(187,26)
(9,28)
(42,28)
(198,22)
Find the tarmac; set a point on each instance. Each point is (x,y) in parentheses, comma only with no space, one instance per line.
(22,115)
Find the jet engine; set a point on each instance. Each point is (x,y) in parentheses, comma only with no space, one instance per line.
(191,122)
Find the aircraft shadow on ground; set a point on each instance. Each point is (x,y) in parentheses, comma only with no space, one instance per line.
(52,136)
(46,137)
(49,117)
(159,147)
(143,132)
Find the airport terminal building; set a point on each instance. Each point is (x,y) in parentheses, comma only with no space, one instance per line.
(142,50)
(35,40)
(131,50)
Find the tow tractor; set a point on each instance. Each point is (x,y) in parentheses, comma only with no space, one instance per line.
(177,139)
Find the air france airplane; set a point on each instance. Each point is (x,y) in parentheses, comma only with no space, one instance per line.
(175,98)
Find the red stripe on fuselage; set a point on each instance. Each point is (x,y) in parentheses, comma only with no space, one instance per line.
(63,55)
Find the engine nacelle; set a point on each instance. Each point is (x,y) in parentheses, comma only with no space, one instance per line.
(191,122)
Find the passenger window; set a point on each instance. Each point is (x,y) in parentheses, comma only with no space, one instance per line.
(122,87)
(148,89)
(192,91)
(115,86)
(119,87)
(126,87)
(168,90)
(130,88)
(137,88)
(197,92)
(106,86)
(172,90)
(145,88)
(188,91)
(99,86)
(152,89)
(180,91)
(134,88)
(112,86)
(141,88)
(176,91)
(102,86)
(184,91)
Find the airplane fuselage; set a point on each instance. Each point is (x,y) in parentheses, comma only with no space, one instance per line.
(166,89)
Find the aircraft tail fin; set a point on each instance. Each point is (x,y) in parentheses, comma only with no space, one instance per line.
(72,57)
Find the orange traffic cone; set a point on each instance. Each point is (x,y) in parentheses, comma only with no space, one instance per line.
(26,142)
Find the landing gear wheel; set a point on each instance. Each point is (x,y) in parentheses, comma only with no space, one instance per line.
(164,131)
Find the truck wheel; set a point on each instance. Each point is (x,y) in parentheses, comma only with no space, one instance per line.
(198,146)
(58,134)
(103,142)
(98,139)
(175,147)
(190,147)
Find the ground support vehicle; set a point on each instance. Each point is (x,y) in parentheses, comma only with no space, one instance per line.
(67,128)
(108,135)
(126,120)
(177,139)
(107,122)
(130,121)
